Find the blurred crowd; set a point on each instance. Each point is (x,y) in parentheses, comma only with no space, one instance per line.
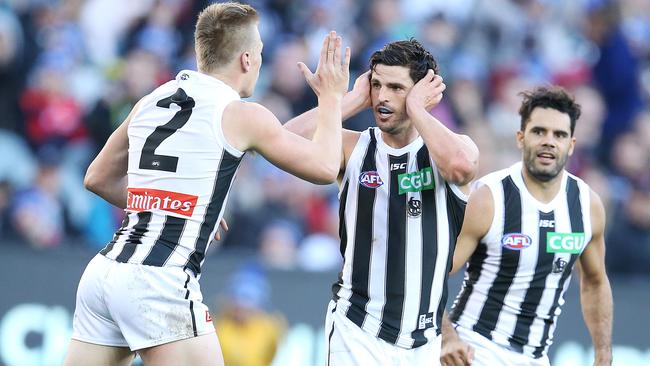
(71,70)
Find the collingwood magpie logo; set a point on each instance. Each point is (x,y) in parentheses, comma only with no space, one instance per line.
(414,208)
(559,265)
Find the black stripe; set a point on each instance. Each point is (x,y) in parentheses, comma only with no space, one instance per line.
(577,226)
(193,318)
(487,321)
(455,214)
(167,241)
(543,268)
(429,247)
(187,295)
(575,207)
(343,235)
(329,343)
(343,232)
(473,273)
(391,318)
(118,234)
(135,237)
(227,168)
(363,239)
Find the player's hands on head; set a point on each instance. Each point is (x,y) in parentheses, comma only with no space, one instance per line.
(456,352)
(427,92)
(333,72)
(360,93)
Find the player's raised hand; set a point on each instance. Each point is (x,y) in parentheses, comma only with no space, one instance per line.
(427,92)
(333,72)
(456,352)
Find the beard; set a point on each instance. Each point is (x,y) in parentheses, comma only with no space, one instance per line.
(544,173)
(394,126)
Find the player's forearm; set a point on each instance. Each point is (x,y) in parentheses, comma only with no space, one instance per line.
(305,124)
(448,331)
(113,191)
(327,138)
(455,156)
(597,310)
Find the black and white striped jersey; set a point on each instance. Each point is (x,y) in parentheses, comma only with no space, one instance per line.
(180,171)
(515,280)
(398,226)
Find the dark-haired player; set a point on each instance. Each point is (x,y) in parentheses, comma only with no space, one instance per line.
(401,207)
(525,228)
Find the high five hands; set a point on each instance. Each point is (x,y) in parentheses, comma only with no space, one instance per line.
(332,73)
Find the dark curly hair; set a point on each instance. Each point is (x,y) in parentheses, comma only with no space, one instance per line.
(409,53)
(552,97)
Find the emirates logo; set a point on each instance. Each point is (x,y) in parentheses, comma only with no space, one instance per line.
(145,199)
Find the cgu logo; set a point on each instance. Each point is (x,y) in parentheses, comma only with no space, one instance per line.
(516,241)
(370,179)
(417,181)
(565,242)
(145,199)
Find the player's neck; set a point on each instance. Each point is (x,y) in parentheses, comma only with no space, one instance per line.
(234,82)
(400,139)
(544,192)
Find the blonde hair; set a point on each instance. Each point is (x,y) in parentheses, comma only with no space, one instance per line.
(222,31)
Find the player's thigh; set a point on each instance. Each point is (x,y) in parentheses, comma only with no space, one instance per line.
(203,350)
(88,354)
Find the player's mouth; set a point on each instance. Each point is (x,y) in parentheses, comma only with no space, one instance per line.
(546,157)
(384,112)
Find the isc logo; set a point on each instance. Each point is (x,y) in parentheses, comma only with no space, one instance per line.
(397,166)
(370,179)
(547,223)
(516,241)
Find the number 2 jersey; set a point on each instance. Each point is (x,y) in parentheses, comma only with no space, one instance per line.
(180,172)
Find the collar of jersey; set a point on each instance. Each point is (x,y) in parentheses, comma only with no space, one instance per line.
(517,177)
(414,145)
(205,79)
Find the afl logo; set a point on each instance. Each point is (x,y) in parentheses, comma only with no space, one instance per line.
(516,241)
(370,179)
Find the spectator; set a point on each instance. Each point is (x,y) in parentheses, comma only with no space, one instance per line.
(248,333)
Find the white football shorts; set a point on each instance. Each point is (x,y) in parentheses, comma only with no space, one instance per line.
(488,353)
(349,345)
(138,306)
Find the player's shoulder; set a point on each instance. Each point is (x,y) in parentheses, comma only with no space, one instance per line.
(247,112)
(494,177)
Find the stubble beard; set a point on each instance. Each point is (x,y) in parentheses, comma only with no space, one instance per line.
(545,174)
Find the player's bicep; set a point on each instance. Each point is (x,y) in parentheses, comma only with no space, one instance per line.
(592,259)
(477,221)
(250,126)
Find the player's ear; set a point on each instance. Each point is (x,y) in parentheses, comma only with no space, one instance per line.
(572,145)
(520,139)
(245,61)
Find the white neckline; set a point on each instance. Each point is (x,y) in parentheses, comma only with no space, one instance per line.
(382,145)
(205,78)
(517,176)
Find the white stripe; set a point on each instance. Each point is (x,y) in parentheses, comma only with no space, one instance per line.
(379,246)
